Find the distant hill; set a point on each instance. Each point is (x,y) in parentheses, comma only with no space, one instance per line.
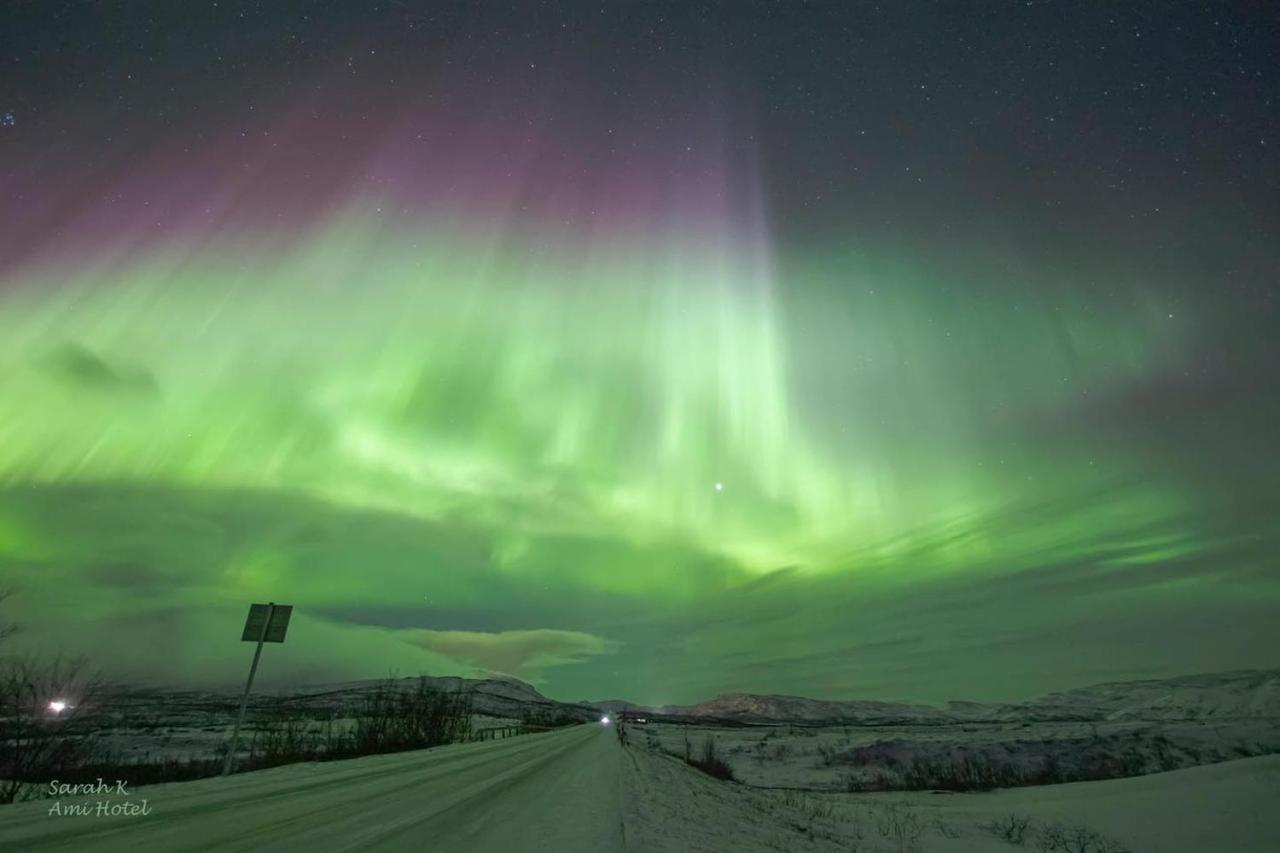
(614,706)
(1222,695)
(493,697)
(1225,695)
(750,707)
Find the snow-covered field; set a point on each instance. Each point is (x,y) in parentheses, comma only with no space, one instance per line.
(1101,731)
(962,757)
(1227,807)
(1220,807)
(1200,758)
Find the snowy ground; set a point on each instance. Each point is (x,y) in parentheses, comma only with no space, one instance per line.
(1227,807)
(843,758)
(1221,807)
(576,789)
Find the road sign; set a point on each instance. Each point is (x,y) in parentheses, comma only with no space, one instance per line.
(266,624)
(259,614)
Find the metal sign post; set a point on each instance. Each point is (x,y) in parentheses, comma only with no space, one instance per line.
(266,623)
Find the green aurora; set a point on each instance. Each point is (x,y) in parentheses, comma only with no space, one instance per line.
(611,471)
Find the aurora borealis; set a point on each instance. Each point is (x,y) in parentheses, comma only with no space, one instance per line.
(648,350)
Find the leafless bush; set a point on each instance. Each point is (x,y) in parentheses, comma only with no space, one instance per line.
(815,809)
(541,718)
(913,766)
(146,769)
(38,742)
(393,719)
(967,773)
(872,780)
(288,739)
(710,762)
(1056,838)
(7,629)
(900,824)
(1012,828)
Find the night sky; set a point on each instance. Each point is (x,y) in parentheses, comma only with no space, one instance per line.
(903,350)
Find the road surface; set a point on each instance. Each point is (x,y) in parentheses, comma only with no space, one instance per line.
(557,791)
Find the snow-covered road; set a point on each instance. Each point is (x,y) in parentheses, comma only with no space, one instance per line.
(555,791)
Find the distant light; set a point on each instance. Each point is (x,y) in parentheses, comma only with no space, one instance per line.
(57,706)
(719,487)
(604,721)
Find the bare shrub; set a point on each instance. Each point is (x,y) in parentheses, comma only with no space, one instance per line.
(146,769)
(539,718)
(874,779)
(7,629)
(900,824)
(709,761)
(1056,838)
(38,743)
(915,766)
(288,739)
(1012,828)
(819,809)
(815,809)
(393,719)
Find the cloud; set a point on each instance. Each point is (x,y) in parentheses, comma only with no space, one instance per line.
(81,368)
(523,654)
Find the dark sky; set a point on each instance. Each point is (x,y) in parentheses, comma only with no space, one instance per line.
(1126,119)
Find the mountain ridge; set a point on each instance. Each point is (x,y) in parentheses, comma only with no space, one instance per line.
(1202,696)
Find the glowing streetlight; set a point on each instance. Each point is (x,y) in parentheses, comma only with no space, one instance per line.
(604,721)
(57,706)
